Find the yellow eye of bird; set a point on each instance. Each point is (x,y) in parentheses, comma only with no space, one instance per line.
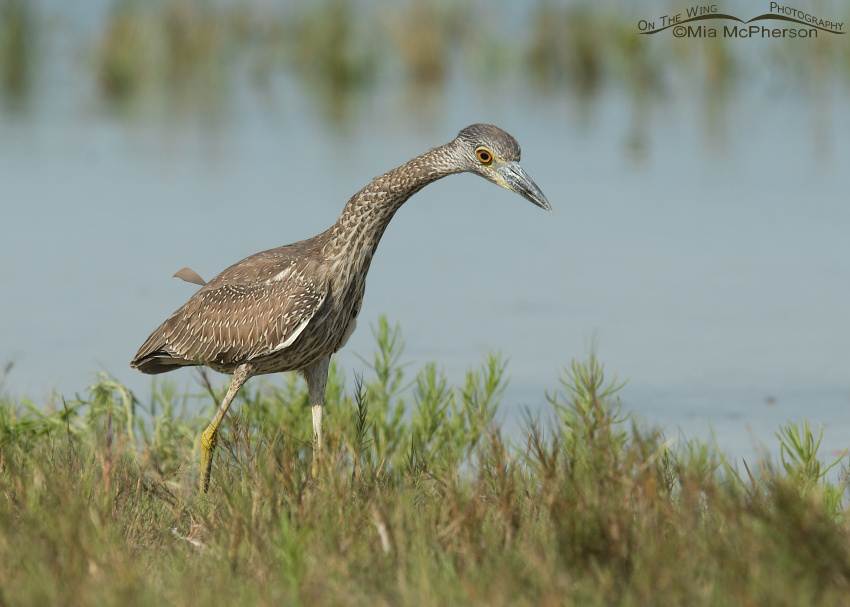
(484,155)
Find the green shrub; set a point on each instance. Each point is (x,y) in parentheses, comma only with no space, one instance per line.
(421,500)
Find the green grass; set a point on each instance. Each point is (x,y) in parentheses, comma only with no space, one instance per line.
(420,501)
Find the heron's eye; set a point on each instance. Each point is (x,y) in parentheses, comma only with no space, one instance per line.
(484,155)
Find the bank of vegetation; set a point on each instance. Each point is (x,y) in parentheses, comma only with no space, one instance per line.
(420,501)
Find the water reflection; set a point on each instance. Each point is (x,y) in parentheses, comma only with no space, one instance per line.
(335,56)
(566,48)
(17,45)
(194,54)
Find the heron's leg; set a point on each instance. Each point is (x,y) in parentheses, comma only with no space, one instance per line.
(209,438)
(316,376)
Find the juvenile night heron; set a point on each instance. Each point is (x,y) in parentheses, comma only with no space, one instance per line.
(291,308)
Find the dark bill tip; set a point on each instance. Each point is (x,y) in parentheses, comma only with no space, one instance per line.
(519,181)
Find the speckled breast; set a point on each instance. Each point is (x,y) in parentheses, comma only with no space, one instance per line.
(322,337)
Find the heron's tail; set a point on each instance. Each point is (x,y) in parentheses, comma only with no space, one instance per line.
(155,356)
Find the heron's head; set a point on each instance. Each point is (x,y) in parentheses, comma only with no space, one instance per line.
(489,151)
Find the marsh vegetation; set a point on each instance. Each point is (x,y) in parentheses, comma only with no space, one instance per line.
(195,53)
(420,501)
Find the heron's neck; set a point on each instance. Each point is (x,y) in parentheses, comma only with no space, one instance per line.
(354,237)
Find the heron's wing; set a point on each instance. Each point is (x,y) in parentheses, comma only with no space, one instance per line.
(240,315)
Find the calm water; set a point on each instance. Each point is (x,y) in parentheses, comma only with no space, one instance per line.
(711,266)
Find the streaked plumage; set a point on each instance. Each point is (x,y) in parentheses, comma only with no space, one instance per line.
(292,307)
(245,314)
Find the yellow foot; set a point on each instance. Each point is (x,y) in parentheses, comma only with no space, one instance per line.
(317,463)
(209,439)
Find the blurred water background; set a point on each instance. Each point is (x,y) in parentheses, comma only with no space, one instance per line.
(700,187)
